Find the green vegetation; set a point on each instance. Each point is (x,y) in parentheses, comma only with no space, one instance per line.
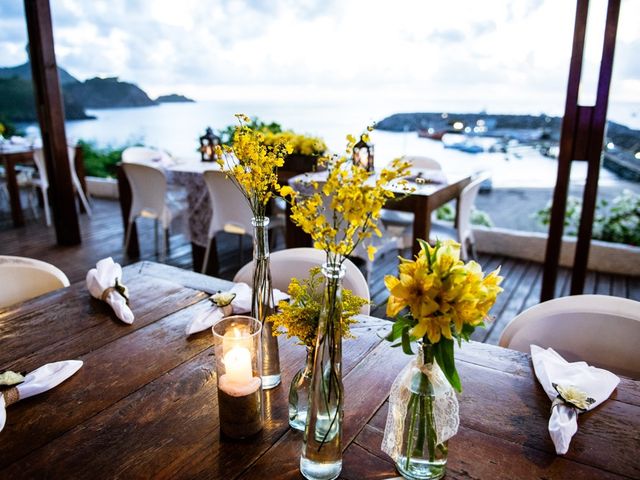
(617,221)
(274,133)
(478,217)
(8,129)
(100,162)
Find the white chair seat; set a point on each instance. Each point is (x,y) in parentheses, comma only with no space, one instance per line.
(296,263)
(603,331)
(25,278)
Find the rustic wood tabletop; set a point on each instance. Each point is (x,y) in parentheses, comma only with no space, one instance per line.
(144,405)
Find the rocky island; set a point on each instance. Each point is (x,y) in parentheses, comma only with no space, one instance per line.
(174,98)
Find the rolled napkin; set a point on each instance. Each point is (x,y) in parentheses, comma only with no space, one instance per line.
(574,388)
(40,380)
(239,297)
(105,283)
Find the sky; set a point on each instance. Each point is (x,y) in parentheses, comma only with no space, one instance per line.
(498,55)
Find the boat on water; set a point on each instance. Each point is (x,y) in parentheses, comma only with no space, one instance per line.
(468,147)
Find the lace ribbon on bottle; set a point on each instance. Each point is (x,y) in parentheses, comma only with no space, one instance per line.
(445,407)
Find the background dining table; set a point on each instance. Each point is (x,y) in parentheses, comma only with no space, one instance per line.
(144,404)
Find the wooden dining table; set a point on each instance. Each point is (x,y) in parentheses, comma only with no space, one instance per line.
(10,157)
(144,403)
(13,155)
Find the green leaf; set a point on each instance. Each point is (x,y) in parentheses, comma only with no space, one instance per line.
(396,330)
(443,352)
(406,342)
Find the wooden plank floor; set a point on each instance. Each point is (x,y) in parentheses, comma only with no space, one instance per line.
(102,236)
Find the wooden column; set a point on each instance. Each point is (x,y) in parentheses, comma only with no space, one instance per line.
(51,116)
(581,139)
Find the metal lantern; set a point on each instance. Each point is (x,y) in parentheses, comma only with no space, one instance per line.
(208,142)
(363,154)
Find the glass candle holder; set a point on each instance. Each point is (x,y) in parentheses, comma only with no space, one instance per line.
(238,350)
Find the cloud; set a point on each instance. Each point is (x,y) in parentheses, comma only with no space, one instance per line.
(238,49)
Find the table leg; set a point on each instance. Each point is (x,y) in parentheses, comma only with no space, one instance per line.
(14,194)
(124,192)
(421,222)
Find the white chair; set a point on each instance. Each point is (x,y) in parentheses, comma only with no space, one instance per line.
(149,200)
(422,162)
(42,182)
(463,232)
(296,263)
(230,211)
(601,330)
(24,278)
(146,155)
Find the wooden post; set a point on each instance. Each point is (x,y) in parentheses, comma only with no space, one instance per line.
(51,116)
(581,139)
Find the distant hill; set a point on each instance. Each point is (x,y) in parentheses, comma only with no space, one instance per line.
(174,98)
(17,103)
(24,71)
(107,93)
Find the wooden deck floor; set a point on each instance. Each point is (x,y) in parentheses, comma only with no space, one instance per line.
(103,236)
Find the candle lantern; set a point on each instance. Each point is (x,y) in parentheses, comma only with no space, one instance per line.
(208,142)
(363,154)
(238,352)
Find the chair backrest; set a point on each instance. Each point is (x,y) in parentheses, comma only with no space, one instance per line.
(422,162)
(24,278)
(230,210)
(296,263)
(38,159)
(599,329)
(148,189)
(467,199)
(145,155)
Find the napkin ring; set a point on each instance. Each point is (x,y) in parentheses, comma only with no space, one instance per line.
(119,288)
(11,396)
(572,396)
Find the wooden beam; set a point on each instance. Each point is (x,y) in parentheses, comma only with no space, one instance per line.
(581,139)
(594,150)
(51,116)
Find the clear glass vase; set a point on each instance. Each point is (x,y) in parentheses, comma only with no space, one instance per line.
(422,456)
(322,446)
(262,303)
(299,393)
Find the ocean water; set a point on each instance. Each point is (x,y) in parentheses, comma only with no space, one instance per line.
(175,127)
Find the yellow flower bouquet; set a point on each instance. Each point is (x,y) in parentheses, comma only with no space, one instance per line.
(299,317)
(437,299)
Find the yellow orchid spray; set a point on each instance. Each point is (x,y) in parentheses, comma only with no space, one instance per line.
(345,210)
(252,163)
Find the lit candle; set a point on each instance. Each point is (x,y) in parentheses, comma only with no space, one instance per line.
(237,363)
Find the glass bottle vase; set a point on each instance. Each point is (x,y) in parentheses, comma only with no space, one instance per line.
(299,393)
(321,457)
(422,455)
(262,303)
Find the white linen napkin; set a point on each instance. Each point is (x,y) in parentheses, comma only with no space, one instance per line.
(101,282)
(551,368)
(240,304)
(40,380)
